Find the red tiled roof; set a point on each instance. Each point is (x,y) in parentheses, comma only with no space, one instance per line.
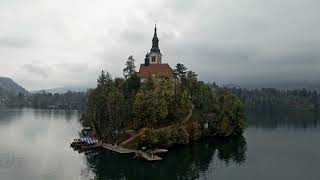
(147,71)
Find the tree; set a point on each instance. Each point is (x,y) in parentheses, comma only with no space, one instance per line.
(129,70)
(230,114)
(181,71)
(107,106)
(151,104)
(132,85)
(102,79)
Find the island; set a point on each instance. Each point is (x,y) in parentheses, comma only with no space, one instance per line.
(157,108)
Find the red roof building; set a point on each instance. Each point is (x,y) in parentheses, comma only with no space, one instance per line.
(153,61)
(152,69)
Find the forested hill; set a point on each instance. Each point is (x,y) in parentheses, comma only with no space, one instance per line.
(10,88)
(299,99)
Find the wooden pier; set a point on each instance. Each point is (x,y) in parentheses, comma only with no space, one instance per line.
(118,149)
(146,155)
(137,153)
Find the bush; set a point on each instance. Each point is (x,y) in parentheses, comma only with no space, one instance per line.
(183,135)
(164,138)
(148,138)
(194,130)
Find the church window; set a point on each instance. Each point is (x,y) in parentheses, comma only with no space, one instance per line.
(153,59)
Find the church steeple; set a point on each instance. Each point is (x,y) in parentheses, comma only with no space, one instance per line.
(155,56)
(155,41)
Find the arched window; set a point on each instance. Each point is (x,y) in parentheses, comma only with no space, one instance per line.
(153,59)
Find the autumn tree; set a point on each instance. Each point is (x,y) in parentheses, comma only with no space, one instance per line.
(158,100)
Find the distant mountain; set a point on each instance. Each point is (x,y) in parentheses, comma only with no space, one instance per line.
(9,87)
(63,89)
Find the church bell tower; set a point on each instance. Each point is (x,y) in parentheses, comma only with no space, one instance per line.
(155,56)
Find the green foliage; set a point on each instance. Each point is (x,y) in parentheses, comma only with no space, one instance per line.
(148,138)
(107,108)
(69,100)
(270,98)
(230,114)
(164,101)
(182,134)
(149,109)
(180,71)
(159,100)
(132,85)
(129,70)
(194,130)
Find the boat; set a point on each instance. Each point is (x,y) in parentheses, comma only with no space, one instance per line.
(84,143)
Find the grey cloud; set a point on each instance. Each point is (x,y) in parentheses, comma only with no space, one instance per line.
(37,70)
(14,42)
(242,42)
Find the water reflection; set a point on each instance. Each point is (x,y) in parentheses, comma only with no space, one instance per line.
(180,163)
(34,145)
(8,115)
(271,119)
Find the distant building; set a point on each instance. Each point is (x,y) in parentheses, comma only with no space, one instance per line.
(153,62)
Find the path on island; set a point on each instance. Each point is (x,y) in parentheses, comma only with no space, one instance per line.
(190,114)
(185,120)
(136,134)
(138,153)
(129,139)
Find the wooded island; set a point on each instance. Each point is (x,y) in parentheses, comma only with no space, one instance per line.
(160,107)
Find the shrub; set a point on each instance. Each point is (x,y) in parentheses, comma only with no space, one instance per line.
(194,130)
(183,135)
(148,138)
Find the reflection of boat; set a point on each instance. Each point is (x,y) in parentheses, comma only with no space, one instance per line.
(91,152)
(84,148)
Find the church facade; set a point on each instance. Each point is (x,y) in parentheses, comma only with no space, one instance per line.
(153,62)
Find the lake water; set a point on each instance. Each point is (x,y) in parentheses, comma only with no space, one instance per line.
(34,145)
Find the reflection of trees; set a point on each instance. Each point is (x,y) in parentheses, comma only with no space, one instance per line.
(180,163)
(66,115)
(274,118)
(233,150)
(8,115)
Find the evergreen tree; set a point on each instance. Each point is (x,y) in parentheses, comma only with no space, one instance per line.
(181,71)
(130,68)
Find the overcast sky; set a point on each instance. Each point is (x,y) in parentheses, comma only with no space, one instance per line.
(52,43)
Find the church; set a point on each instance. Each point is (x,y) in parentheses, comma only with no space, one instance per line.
(153,62)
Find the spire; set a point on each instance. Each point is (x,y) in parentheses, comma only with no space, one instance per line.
(155,31)
(155,41)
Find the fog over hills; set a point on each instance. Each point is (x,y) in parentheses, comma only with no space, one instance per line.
(278,85)
(9,87)
(63,89)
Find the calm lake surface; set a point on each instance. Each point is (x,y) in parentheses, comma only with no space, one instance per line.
(34,145)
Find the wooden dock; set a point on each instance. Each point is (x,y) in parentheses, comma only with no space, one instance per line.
(118,149)
(150,158)
(122,150)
